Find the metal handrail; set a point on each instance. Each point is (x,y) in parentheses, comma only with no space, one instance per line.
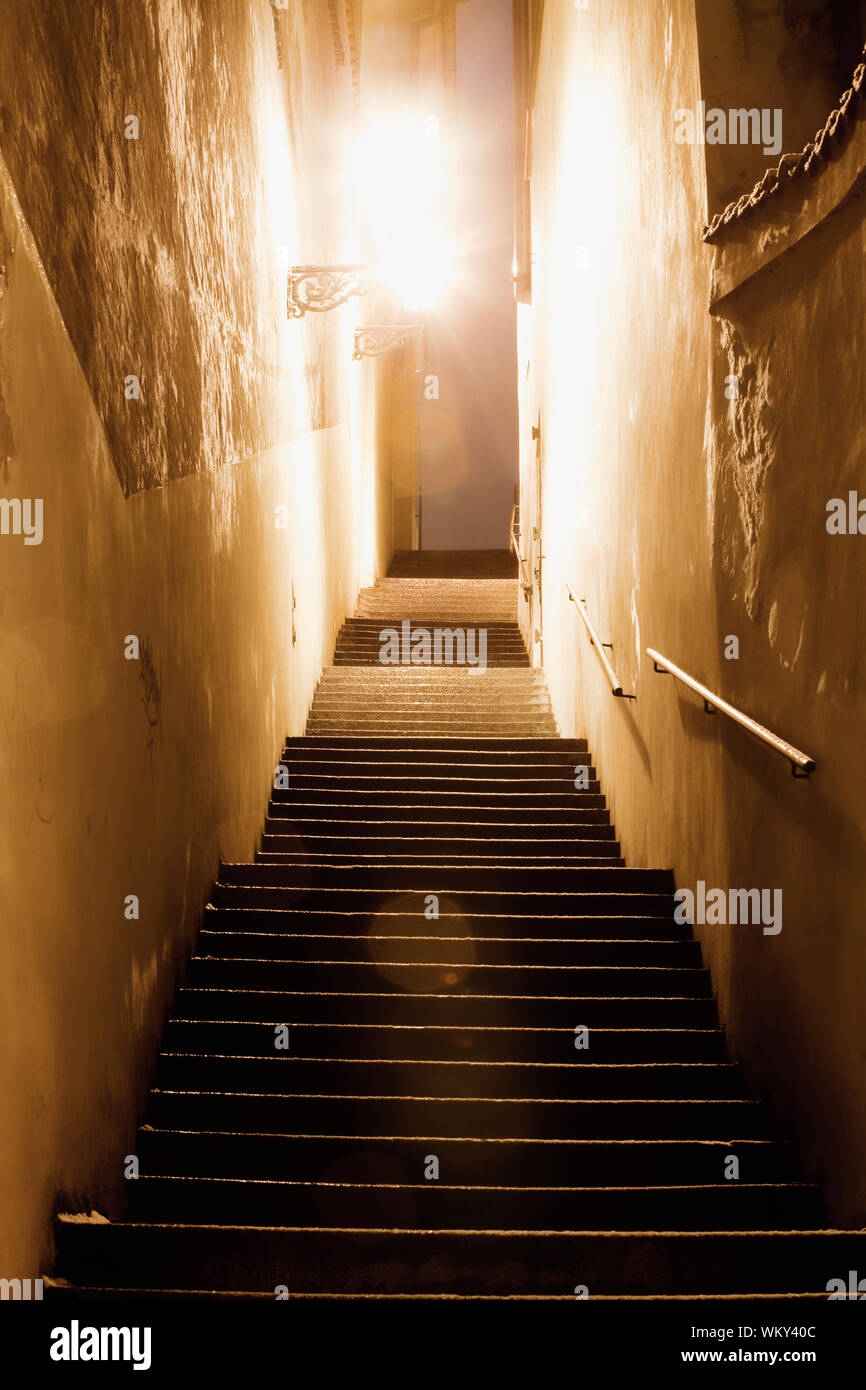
(595,641)
(525,582)
(801,764)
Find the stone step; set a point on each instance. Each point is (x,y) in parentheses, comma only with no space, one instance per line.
(439,1042)
(463,948)
(474,1161)
(435,1205)
(249,1112)
(325,849)
(286,1076)
(466,903)
(526,803)
(456,1010)
(480,747)
(380,817)
(591,856)
(469,977)
(342,835)
(478,926)
(548,885)
(498,1263)
(490,781)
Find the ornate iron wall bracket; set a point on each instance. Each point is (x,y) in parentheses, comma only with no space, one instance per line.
(377,338)
(318,288)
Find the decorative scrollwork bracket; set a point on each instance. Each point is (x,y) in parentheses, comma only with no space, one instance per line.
(318,288)
(377,338)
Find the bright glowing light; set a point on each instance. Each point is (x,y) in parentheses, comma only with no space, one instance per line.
(403,187)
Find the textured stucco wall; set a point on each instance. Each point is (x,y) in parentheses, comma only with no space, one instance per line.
(684,517)
(133,777)
(167,252)
(780,57)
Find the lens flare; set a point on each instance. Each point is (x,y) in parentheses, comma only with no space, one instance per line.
(403,188)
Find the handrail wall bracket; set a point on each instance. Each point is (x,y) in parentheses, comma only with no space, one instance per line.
(595,641)
(514,536)
(802,766)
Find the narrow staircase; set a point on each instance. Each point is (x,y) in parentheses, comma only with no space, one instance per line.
(438,1039)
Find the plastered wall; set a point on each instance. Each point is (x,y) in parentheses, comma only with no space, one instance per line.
(684,518)
(130,778)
